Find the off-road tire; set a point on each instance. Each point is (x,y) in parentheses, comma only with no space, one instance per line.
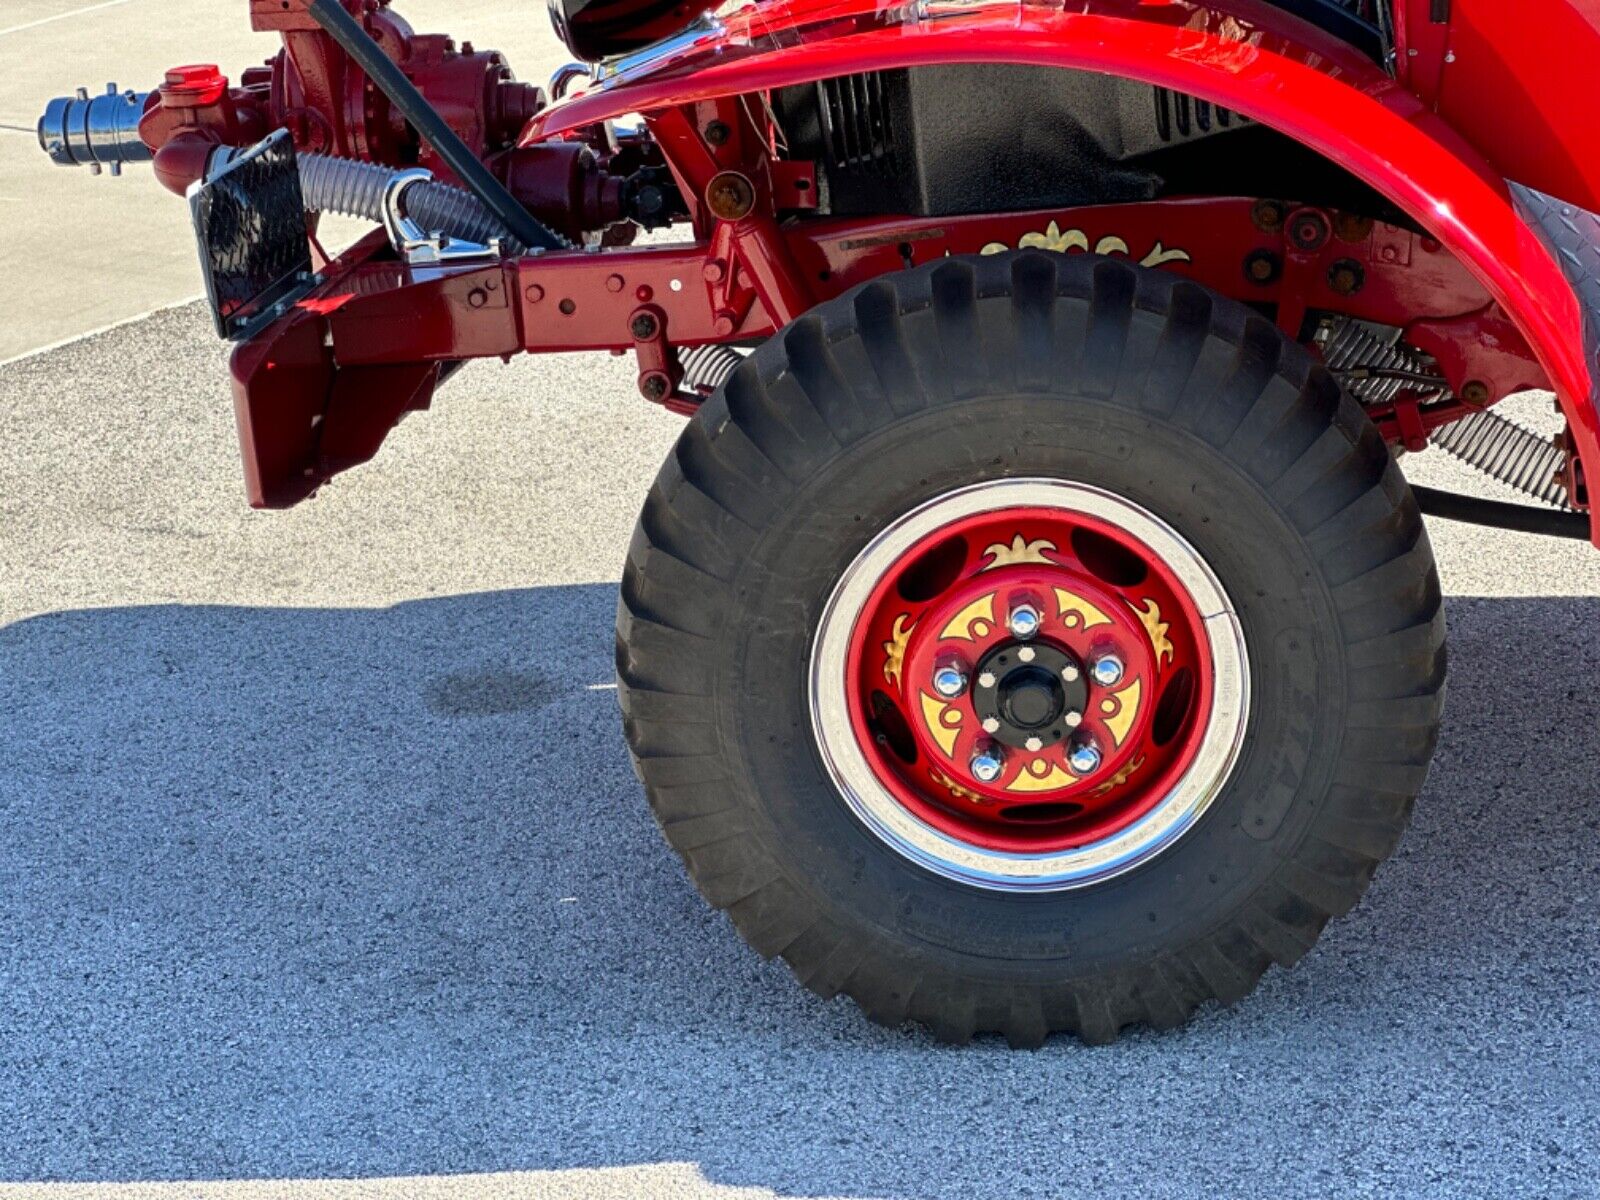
(1032,364)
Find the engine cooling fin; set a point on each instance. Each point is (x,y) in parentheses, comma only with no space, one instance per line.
(706,368)
(1370,361)
(1374,366)
(1506,451)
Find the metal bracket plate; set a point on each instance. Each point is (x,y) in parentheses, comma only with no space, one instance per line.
(250,223)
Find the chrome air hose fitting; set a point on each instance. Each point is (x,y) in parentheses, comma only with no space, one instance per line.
(95,131)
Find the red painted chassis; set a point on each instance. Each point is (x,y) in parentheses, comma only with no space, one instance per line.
(1475,283)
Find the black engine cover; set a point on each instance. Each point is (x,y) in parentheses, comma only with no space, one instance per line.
(940,141)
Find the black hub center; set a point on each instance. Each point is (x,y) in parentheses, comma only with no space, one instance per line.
(1031,697)
(1029,692)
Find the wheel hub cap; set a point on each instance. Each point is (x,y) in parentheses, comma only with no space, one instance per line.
(1028,699)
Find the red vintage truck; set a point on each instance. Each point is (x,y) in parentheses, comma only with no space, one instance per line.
(1033,628)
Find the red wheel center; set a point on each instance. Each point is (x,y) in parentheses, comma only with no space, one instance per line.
(1028,680)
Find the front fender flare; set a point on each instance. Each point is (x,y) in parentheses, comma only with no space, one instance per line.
(1246,57)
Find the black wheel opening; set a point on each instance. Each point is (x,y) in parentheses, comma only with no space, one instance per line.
(934,571)
(1177,700)
(1040,814)
(891,729)
(1108,560)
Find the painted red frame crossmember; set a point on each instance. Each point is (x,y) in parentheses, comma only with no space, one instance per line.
(319,392)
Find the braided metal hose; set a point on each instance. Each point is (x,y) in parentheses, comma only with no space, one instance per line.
(1504,450)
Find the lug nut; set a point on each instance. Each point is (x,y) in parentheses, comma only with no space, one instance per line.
(1107,670)
(1084,759)
(949,680)
(987,764)
(1024,621)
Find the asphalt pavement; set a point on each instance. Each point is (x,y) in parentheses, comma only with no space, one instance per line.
(323,870)
(323,873)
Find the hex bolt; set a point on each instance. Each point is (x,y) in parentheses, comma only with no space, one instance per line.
(1026,654)
(1084,758)
(1107,670)
(987,764)
(1268,215)
(1073,718)
(986,680)
(1024,620)
(1346,277)
(1070,673)
(1262,267)
(1034,744)
(991,725)
(949,680)
(1475,393)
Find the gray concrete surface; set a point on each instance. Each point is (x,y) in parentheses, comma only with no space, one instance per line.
(323,871)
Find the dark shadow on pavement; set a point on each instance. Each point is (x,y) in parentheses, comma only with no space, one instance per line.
(308,893)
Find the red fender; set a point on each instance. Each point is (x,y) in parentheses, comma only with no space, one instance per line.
(1242,55)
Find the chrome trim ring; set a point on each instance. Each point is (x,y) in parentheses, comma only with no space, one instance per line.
(1173,816)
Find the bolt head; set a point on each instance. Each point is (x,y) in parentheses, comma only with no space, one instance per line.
(949,680)
(987,679)
(1084,758)
(1024,621)
(991,725)
(1073,718)
(1034,744)
(1107,670)
(1070,673)
(987,764)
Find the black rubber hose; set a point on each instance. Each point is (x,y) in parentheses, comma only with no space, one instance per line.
(1519,518)
(369,56)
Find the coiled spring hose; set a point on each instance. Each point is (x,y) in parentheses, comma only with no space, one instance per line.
(355,189)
